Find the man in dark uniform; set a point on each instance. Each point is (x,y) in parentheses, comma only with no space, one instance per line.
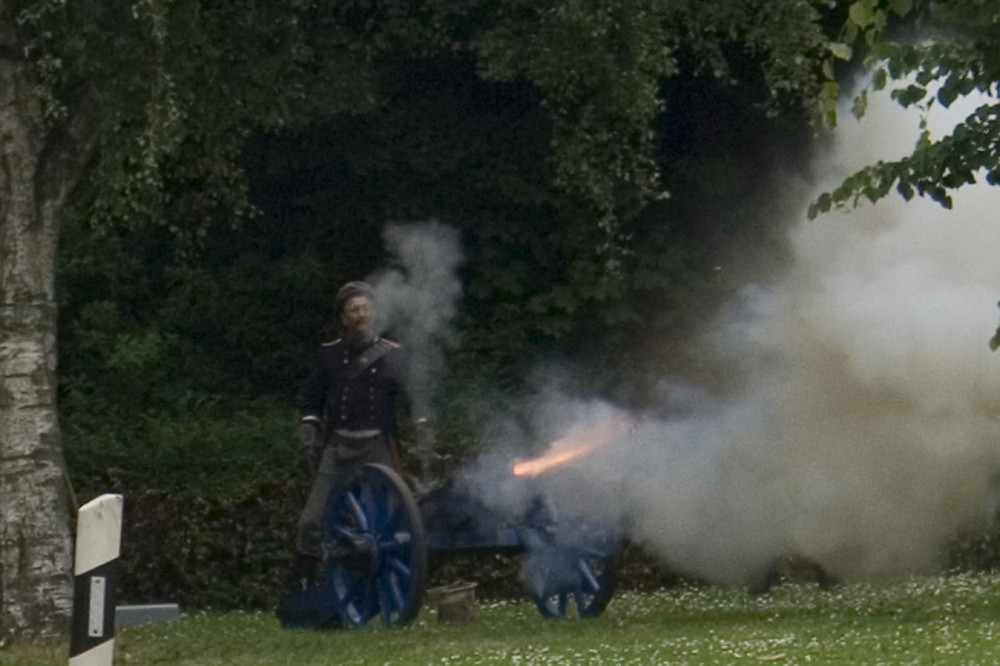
(348,413)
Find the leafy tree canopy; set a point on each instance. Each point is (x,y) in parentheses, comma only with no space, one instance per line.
(936,53)
(572,136)
(178,84)
(543,128)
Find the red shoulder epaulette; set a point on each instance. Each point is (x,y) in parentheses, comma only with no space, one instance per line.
(394,345)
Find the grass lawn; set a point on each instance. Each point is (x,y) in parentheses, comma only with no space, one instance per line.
(934,620)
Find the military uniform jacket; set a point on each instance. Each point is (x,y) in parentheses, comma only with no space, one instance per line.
(366,402)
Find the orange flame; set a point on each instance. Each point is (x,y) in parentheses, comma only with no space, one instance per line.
(568,449)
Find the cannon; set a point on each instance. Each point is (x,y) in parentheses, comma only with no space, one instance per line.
(381,539)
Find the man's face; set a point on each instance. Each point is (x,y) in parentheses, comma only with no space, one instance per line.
(358,318)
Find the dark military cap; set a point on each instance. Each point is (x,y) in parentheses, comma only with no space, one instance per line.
(349,291)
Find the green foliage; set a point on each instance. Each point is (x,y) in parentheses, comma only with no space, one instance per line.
(222,551)
(933,169)
(407,96)
(600,71)
(200,449)
(169,333)
(960,60)
(175,377)
(180,84)
(269,144)
(598,68)
(786,36)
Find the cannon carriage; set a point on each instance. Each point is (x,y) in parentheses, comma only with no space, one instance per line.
(381,539)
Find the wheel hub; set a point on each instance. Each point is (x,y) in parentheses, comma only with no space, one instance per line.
(359,553)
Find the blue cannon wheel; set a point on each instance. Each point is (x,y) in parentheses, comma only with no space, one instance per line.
(571,571)
(374,549)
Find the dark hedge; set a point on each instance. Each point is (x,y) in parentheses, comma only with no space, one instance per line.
(235,552)
(209,553)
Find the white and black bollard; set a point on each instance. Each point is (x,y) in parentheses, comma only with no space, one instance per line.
(98,543)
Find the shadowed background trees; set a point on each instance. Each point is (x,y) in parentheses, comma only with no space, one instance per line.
(184,342)
(152,320)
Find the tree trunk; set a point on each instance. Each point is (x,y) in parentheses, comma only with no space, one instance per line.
(37,171)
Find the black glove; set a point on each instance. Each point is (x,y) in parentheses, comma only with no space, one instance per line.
(310,448)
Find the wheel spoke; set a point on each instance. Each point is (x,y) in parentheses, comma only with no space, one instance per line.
(377,512)
(390,509)
(587,575)
(399,541)
(352,615)
(572,567)
(396,590)
(374,499)
(357,511)
(399,566)
(343,531)
(339,585)
(352,598)
(384,603)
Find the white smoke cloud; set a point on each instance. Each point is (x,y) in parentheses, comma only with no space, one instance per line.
(864,432)
(418,299)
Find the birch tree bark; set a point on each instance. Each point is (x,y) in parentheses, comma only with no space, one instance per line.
(39,165)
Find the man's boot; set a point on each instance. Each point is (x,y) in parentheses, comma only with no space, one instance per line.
(305,572)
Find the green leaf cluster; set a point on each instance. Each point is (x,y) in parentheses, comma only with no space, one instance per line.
(957,60)
(177,85)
